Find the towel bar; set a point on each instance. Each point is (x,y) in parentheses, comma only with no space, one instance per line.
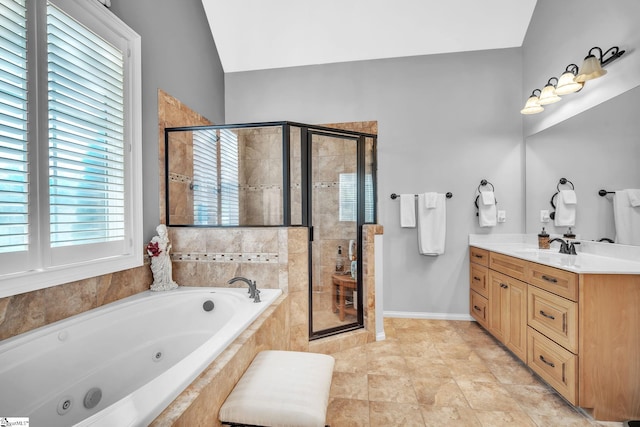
(395,196)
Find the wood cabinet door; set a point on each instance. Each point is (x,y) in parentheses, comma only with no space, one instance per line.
(498,297)
(516,334)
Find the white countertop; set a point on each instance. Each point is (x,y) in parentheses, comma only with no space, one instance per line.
(592,258)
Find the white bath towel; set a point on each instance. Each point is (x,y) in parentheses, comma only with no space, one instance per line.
(430,200)
(407,210)
(634,197)
(432,225)
(487,213)
(626,218)
(566,203)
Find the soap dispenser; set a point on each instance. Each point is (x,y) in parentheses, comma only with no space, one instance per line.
(569,234)
(339,261)
(543,239)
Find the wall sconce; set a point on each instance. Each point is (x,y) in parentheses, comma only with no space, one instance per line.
(533,104)
(566,83)
(572,79)
(592,66)
(548,95)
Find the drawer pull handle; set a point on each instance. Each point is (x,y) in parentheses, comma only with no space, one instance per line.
(548,316)
(550,279)
(476,278)
(503,286)
(548,363)
(478,256)
(476,308)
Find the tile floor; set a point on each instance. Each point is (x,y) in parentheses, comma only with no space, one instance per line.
(442,373)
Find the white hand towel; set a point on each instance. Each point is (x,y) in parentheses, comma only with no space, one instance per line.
(626,218)
(566,209)
(432,226)
(430,200)
(488,198)
(487,212)
(407,210)
(634,197)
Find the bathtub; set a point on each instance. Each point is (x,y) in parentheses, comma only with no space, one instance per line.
(123,363)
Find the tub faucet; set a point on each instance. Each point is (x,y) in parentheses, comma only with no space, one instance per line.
(253,288)
(564,246)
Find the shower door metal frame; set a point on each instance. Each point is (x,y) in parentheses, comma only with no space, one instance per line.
(307,204)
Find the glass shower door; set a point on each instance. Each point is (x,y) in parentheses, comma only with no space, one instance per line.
(333,212)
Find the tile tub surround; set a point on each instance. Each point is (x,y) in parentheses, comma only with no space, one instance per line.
(24,312)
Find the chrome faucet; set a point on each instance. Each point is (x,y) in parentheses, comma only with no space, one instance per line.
(253,288)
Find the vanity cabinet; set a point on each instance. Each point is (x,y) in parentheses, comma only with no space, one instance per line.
(508,312)
(478,279)
(578,332)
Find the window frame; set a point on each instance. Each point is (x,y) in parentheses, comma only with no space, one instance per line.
(46,268)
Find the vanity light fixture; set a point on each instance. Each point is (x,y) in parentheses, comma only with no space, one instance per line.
(533,104)
(592,65)
(548,95)
(572,79)
(566,83)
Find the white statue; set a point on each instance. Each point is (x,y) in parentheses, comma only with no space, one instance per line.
(158,249)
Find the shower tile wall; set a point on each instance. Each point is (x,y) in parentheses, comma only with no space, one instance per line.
(260,176)
(173,113)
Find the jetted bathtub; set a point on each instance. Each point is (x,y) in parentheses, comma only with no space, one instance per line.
(123,363)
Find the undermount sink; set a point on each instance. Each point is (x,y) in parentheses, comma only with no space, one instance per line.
(548,255)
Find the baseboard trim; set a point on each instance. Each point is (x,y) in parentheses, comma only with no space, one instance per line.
(425,315)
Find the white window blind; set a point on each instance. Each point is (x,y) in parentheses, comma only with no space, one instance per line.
(14,167)
(229,191)
(205,177)
(348,197)
(86,134)
(70,150)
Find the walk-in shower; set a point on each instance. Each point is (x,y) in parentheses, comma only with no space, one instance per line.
(283,174)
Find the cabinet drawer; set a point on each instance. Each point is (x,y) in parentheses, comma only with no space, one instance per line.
(479,256)
(554,364)
(554,280)
(478,279)
(478,308)
(510,266)
(554,316)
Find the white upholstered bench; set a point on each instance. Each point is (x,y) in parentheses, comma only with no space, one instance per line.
(281,388)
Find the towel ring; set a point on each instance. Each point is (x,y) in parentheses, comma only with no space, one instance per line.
(483,183)
(563,181)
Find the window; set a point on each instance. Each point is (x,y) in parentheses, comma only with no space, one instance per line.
(70,179)
(215,174)
(348,191)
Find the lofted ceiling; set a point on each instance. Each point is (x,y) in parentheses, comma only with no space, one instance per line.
(263,34)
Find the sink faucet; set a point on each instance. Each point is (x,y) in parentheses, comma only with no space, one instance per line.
(564,246)
(253,289)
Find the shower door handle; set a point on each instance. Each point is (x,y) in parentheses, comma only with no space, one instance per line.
(311,233)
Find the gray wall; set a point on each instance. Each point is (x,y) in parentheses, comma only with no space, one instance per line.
(445,122)
(179,56)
